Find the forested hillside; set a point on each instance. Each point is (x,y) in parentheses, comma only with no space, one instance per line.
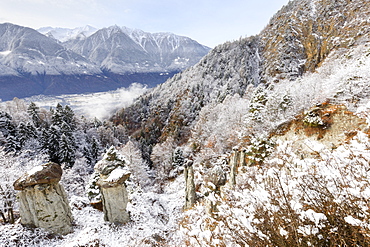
(295,42)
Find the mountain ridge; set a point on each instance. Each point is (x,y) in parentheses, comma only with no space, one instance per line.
(104,60)
(65,34)
(152,52)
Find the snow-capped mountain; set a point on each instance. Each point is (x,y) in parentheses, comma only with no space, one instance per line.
(26,51)
(106,60)
(65,34)
(120,50)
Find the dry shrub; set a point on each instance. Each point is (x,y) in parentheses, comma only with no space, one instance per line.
(290,201)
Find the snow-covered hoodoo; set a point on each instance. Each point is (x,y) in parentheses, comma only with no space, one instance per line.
(43,201)
(113,174)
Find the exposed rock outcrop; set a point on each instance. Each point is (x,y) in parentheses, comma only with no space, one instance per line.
(330,124)
(237,159)
(43,201)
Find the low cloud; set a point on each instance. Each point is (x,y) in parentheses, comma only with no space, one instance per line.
(94,105)
(103,105)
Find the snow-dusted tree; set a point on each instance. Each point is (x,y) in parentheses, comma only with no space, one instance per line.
(9,170)
(26,132)
(66,152)
(69,117)
(7,199)
(34,111)
(259,149)
(95,149)
(220,126)
(258,104)
(106,136)
(178,157)
(137,166)
(7,194)
(12,145)
(44,140)
(57,115)
(75,178)
(6,124)
(53,143)
(162,158)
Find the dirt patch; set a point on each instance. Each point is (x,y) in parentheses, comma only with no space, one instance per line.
(329,124)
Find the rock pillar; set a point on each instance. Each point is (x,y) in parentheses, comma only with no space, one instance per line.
(42,200)
(237,159)
(114,195)
(190,186)
(233,168)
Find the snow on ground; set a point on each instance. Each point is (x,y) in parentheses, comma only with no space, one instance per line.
(286,185)
(154,218)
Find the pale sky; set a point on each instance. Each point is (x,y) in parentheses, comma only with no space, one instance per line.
(210,22)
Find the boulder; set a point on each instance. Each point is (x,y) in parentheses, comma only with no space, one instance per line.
(42,200)
(117,177)
(49,173)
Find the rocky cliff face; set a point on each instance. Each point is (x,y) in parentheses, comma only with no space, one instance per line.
(301,35)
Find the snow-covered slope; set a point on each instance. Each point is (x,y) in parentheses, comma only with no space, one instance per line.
(120,50)
(26,51)
(292,44)
(65,34)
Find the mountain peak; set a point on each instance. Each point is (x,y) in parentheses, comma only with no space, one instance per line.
(158,52)
(114,29)
(65,34)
